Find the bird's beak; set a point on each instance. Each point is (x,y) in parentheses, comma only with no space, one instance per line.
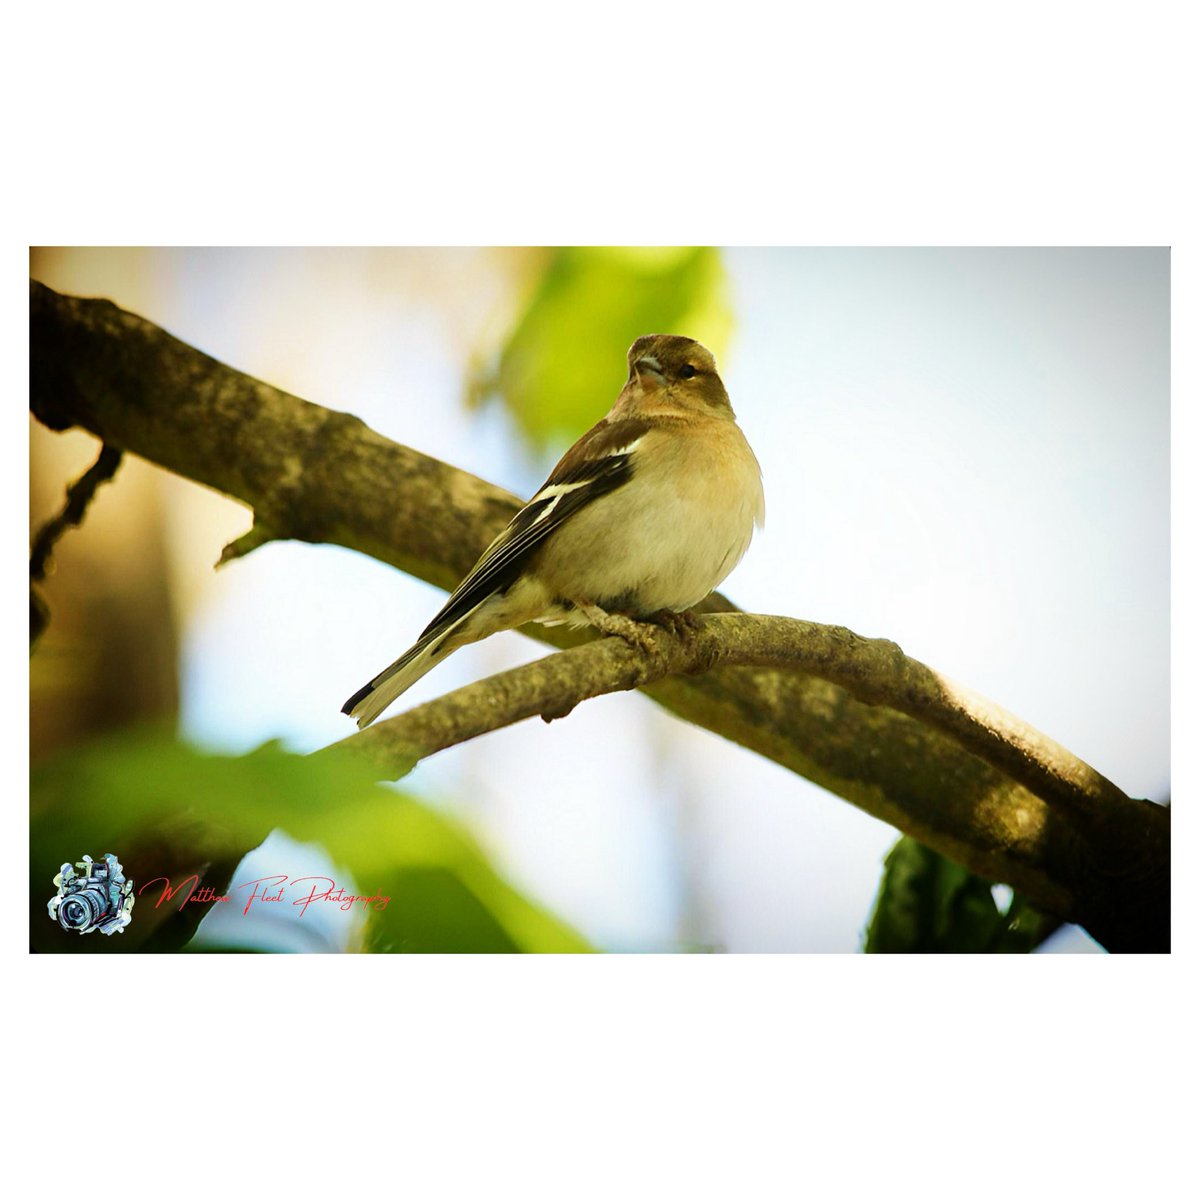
(649,372)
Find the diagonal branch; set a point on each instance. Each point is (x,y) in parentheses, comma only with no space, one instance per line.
(872,670)
(1072,840)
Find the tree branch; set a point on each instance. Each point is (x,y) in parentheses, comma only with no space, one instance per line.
(871,670)
(874,671)
(79,498)
(1046,824)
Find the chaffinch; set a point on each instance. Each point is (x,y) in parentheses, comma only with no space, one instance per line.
(642,518)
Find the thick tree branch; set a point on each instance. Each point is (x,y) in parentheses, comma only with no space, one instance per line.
(1045,823)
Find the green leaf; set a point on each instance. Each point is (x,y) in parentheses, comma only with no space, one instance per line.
(166,809)
(929,905)
(563,363)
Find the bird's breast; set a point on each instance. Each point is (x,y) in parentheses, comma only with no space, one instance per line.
(666,538)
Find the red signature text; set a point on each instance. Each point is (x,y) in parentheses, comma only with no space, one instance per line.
(270,889)
(277,889)
(194,894)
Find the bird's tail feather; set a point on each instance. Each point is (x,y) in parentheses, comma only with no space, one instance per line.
(369,701)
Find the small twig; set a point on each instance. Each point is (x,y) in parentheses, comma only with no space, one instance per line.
(259,534)
(79,497)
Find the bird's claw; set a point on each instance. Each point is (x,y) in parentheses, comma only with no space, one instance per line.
(683,625)
(638,634)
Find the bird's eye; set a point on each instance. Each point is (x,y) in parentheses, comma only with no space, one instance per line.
(687,372)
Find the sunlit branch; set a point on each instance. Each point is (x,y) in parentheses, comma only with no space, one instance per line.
(872,670)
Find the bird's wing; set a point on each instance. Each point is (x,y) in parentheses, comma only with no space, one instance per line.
(597,464)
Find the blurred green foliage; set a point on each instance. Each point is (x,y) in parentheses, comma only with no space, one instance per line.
(166,809)
(563,362)
(928,905)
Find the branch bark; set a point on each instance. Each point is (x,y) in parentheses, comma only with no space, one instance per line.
(880,730)
(79,498)
(872,670)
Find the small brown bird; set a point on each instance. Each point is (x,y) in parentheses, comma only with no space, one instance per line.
(644,516)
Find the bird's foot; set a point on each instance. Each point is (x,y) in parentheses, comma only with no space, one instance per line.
(684,625)
(635,633)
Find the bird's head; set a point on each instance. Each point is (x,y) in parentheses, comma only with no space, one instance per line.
(671,370)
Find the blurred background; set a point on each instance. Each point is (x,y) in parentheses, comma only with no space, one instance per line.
(965,451)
